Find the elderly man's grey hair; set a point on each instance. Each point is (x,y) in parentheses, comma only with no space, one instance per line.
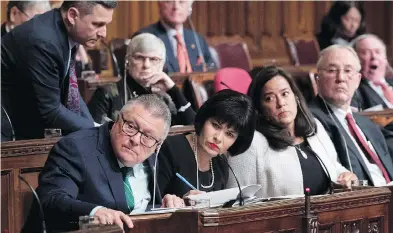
(153,104)
(26,5)
(337,46)
(355,42)
(146,43)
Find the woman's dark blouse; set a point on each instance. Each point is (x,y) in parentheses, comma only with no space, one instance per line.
(177,156)
(314,176)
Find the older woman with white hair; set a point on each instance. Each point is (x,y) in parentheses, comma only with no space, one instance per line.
(143,74)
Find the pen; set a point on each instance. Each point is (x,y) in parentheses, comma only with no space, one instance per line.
(185,181)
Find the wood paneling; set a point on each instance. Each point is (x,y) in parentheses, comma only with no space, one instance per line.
(262,24)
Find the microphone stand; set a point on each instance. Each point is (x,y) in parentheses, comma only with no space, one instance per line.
(241,199)
(39,203)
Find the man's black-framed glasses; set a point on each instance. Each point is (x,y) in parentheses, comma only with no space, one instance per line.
(131,131)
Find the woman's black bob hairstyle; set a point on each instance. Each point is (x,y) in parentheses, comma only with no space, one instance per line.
(234,109)
(331,25)
(278,137)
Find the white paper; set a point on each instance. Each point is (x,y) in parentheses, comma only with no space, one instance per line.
(222,196)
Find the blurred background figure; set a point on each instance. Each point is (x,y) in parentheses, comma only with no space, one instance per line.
(19,12)
(343,23)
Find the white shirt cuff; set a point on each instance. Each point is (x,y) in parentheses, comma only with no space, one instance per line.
(93,211)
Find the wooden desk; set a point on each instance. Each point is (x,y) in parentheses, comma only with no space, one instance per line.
(27,158)
(198,77)
(382,118)
(355,211)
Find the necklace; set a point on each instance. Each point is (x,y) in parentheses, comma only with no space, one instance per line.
(195,149)
(297,147)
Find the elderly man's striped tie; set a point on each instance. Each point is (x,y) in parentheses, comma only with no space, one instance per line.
(127,172)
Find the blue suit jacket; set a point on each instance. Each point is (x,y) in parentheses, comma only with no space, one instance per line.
(81,173)
(34,78)
(343,142)
(365,96)
(171,61)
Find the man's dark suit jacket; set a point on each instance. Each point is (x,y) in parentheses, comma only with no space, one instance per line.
(172,65)
(34,78)
(344,144)
(81,173)
(365,96)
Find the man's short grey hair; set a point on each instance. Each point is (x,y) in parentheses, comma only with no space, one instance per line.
(153,104)
(355,42)
(337,46)
(146,43)
(26,5)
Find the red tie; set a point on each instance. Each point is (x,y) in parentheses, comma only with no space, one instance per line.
(366,149)
(182,55)
(387,90)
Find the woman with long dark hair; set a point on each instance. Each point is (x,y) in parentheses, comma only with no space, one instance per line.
(290,150)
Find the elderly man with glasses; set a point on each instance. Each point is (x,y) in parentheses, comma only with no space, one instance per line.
(360,144)
(106,172)
(143,74)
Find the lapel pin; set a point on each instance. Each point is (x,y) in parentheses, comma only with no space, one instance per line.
(193,46)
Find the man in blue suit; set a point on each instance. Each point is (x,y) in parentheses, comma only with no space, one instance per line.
(38,79)
(105,172)
(359,142)
(173,14)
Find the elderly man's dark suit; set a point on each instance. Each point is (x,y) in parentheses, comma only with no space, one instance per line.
(35,79)
(81,173)
(365,96)
(344,144)
(172,65)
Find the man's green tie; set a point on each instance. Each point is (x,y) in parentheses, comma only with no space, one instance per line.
(127,172)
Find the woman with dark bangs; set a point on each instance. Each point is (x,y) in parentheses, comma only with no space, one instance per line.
(224,126)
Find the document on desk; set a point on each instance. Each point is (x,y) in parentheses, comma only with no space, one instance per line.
(222,196)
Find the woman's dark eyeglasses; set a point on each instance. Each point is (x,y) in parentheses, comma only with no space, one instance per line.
(131,131)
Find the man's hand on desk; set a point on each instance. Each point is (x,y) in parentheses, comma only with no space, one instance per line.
(345,179)
(160,82)
(172,201)
(109,216)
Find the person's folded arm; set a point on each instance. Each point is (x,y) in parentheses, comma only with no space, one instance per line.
(42,66)
(185,113)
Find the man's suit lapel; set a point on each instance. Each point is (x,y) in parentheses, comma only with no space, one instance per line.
(370,96)
(348,141)
(111,169)
(151,161)
(171,60)
(382,154)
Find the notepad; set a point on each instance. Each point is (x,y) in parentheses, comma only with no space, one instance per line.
(222,196)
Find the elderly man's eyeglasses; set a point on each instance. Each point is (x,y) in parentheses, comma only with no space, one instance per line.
(131,131)
(333,71)
(141,59)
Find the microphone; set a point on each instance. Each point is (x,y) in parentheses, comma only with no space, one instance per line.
(226,85)
(155,176)
(198,45)
(241,199)
(9,120)
(39,203)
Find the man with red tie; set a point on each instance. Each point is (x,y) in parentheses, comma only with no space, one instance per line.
(186,51)
(374,88)
(359,142)
(39,84)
